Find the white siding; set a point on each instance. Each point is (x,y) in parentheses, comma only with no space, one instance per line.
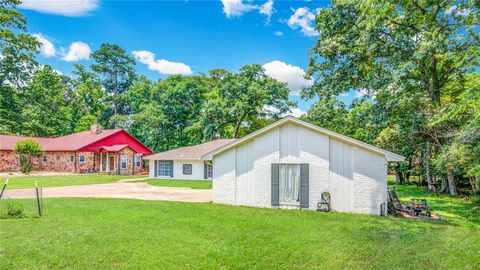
(369,181)
(341,176)
(224,178)
(151,168)
(244,175)
(197,170)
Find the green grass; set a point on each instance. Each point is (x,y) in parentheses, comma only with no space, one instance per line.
(135,234)
(64,180)
(195,184)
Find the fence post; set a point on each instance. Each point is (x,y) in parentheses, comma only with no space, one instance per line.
(38,199)
(4,187)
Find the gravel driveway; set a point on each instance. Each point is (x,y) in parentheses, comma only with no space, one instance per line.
(127,190)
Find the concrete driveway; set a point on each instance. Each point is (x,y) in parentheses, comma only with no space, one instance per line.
(127,190)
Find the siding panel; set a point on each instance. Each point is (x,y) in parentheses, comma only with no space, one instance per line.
(341,176)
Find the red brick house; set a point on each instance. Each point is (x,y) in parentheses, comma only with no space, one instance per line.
(112,151)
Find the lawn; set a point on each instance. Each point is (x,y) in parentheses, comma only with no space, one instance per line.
(135,234)
(195,184)
(64,180)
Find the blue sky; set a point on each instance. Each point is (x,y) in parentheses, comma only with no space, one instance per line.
(181,37)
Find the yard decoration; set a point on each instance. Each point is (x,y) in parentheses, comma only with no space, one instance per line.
(324,204)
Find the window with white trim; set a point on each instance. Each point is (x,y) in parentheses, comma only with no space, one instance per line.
(44,159)
(164,167)
(209,171)
(138,161)
(72,158)
(123,161)
(82,158)
(187,168)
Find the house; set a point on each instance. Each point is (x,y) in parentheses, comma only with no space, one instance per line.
(112,151)
(289,163)
(185,162)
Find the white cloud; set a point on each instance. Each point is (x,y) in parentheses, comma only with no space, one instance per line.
(361,93)
(77,51)
(278,33)
(236,8)
(267,9)
(161,65)
(47,49)
(69,8)
(293,76)
(296,112)
(304,19)
(292,111)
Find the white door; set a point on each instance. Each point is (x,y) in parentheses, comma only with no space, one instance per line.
(341,176)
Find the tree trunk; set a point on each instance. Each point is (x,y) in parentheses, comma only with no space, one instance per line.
(451,183)
(444,187)
(398,175)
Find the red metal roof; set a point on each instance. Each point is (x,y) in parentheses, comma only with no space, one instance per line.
(84,141)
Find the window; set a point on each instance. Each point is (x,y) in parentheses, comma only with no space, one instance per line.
(187,168)
(165,167)
(289,183)
(209,170)
(72,158)
(138,161)
(44,158)
(123,161)
(82,158)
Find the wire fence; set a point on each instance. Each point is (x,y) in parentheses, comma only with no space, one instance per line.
(21,203)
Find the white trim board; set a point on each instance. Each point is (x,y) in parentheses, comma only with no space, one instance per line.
(290,119)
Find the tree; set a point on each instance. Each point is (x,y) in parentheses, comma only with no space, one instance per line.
(244,96)
(117,71)
(17,62)
(85,122)
(26,150)
(46,112)
(400,53)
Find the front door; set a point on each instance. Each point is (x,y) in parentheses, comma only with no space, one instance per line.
(111,163)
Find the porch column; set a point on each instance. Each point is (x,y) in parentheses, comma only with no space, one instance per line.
(101,161)
(108,164)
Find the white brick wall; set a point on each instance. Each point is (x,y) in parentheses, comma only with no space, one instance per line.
(369,181)
(224,178)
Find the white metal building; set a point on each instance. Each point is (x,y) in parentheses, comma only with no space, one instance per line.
(184,163)
(289,163)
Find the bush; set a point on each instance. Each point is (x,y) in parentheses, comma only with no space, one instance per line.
(15,210)
(26,150)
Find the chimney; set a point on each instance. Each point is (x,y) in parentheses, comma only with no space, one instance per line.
(95,129)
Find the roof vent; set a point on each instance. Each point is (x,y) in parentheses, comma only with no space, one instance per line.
(95,129)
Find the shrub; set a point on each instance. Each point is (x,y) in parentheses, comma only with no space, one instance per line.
(15,210)
(26,150)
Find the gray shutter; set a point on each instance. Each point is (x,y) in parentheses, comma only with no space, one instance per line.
(205,170)
(171,168)
(155,168)
(275,185)
(304,181)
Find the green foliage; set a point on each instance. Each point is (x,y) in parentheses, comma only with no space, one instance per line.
(26,150)
(14,210)
(85,122)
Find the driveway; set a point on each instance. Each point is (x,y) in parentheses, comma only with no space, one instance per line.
(127,190)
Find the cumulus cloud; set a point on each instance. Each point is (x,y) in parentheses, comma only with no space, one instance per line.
(296,112)
(293,76)
(236,8)
(47,48)
(278,33)
(77,51)
(304,19)
(70,8)
(162,66)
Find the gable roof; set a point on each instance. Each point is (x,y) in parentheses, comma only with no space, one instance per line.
(190,152)
(72,142)
(290,119)
(114,148)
